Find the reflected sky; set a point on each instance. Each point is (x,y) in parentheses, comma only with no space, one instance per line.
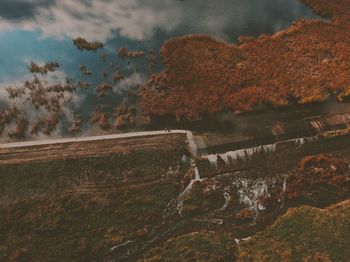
(42,31)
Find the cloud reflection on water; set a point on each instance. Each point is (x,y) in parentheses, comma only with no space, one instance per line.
(42,31)
(139,19)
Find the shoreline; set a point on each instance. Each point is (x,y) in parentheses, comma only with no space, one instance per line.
(301,64)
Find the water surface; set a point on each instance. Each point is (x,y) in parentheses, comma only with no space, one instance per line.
(42,31)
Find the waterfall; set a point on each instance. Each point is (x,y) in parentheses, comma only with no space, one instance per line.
(213,159)
(227,197)
(303,140)
(247,153)
(178,202)
(183,194)
(194,150)
(196,173)
(284,188)
(300,141)
(240,154)
(192,143)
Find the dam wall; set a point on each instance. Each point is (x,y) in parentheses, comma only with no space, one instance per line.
(291,139)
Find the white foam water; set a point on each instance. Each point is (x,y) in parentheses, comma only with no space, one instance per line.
(192,143)
(242,239)
(303,140)
(284,188)
(189,187)
(240,154)
(250,191)
(183,194)
(196,173)
(120,245)
(227,197)
(194,150)
(247,153)
(213,159)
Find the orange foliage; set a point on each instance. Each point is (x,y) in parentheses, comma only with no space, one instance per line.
(304,63)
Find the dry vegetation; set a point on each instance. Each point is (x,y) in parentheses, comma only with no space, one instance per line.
(102,88)
(83,44)
(124,53)
(101,118)
(286,233)
(49,67)
(89,192)
(117,75)
(46,100)
(84,202)
(195,246)
(39,105)
(321,180)
(76,126)
(303,234)
(75,202)
(305,63)
(85,71)
(125,116)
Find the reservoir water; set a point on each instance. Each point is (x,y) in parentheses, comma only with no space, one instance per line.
(42,31)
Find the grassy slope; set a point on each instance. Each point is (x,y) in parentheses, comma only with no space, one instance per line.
(303,234)
(76,210)
(196,246)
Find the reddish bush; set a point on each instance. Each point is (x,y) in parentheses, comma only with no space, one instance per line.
(303,63)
